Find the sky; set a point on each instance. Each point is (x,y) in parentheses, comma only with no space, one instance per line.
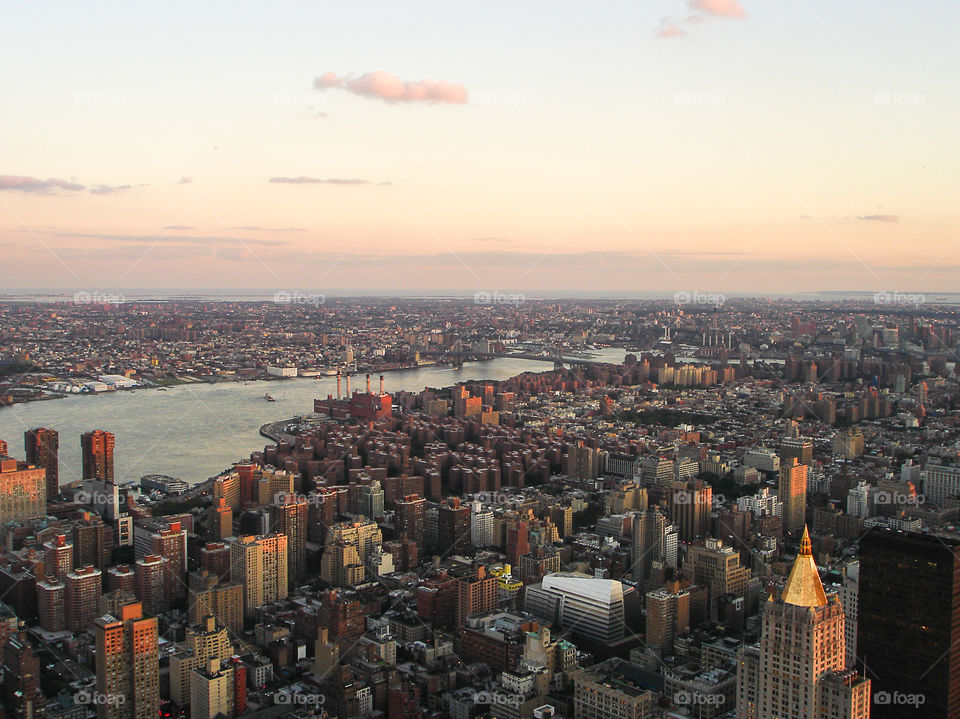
(653,145)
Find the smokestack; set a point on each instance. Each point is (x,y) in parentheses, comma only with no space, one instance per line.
(338,384)
(368,383)
(381,384)
(348,385)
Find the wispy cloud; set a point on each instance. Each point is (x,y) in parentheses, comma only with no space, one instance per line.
(319,181)
(390,88)
(135,252)
(186,180)
(179,227)
(255,228)
(171,239)
(719,8)
(52,185)
(879,218)
(109,189)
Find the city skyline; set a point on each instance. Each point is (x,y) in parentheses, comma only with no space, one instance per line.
(708,145)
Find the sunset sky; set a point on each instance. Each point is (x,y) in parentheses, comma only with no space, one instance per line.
(703,145)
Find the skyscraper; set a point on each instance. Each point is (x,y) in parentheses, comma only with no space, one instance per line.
(453,527)
(349,551)
(205,641)
(51,604)
(690,506)
(97,449)
(83,590)
(220,519)
(481,526)
(23,491)
(668,616)
(169,542)
(793,494)
(654,540)
(58,559)
(908,634)
(370,502)
(799,671)
(717,567)
(128,665)
(798,448)
(409,512)
(288,516)
(259,562)
(476,593)
(42,447)
(584,605)
(216,595)
(213,690)
(151,583)
(22,697)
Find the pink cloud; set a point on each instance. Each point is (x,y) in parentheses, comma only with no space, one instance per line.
(669,29)
(20,183)
(384,86)
(720,8)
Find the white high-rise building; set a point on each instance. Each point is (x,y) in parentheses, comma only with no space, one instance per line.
(762,459)
(585,605)
(850,601)
(481,525)
(910,472)
(941,484)
(862,500)
(370,501)
(763,503)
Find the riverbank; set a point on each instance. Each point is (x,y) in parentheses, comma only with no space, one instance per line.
(274,430)
(194,430)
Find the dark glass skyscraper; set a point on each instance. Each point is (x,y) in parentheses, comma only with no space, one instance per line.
(908,638)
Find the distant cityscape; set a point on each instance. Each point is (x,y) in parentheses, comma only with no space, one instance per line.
(753,515)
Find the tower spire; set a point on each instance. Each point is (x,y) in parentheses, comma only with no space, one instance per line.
(803,587)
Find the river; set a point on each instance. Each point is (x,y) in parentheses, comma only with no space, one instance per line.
(194,431)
